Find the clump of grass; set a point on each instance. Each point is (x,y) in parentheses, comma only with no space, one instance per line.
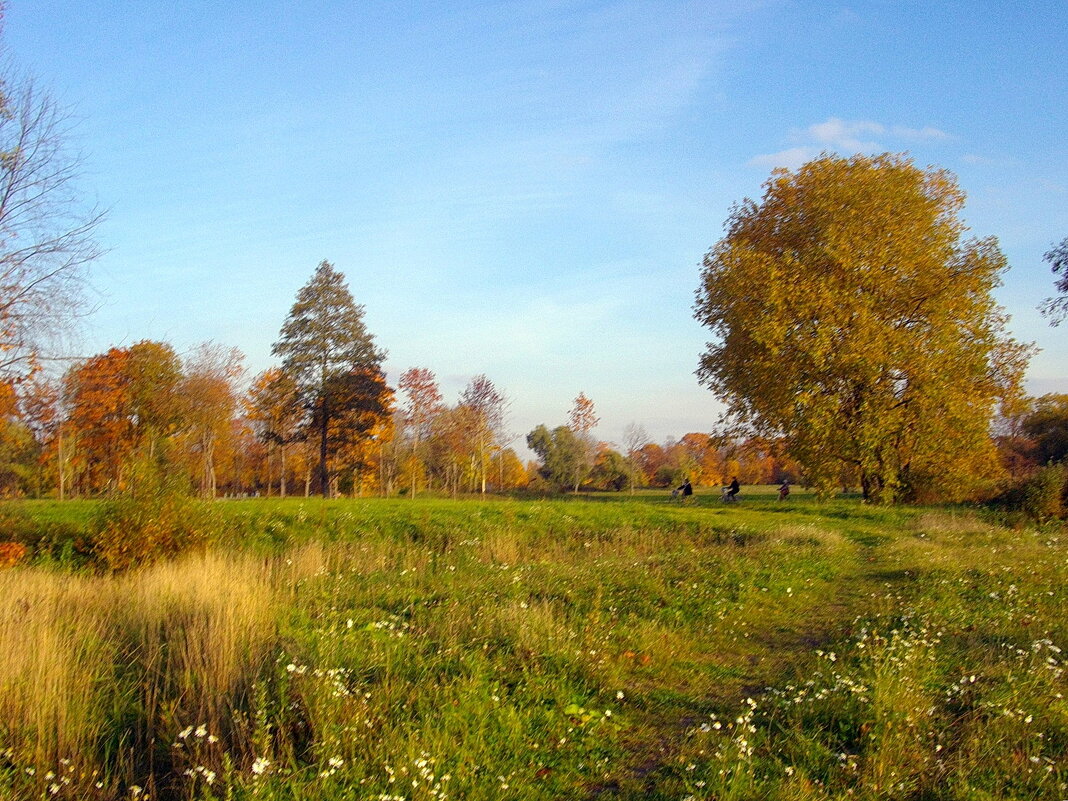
(951,523)
(101,672)
(808,536)
(53,658)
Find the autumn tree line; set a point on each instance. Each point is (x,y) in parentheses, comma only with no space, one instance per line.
(88,433)
(94,430)
(325,420)
(852,351)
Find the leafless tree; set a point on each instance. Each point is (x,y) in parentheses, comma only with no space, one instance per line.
(46,229)
(635,437)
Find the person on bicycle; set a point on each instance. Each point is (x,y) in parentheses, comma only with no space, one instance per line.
(733,489)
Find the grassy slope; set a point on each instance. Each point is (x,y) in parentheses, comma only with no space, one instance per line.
(610,648)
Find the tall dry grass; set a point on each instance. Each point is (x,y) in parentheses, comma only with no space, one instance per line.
(97,670)
(54,654)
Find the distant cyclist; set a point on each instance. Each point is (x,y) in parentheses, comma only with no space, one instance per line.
(685,490)
(730,492)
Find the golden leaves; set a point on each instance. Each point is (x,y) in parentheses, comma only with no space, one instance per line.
(851,316)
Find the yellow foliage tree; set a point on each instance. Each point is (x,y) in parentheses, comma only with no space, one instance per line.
(853,318)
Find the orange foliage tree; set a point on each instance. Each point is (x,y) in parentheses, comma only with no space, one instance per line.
(99,423)
(209,400)
(273,407)
(359,428)
(39,402)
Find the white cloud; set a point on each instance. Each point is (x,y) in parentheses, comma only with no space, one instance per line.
(926,133)
(850,136)
(845,134)
(790,159)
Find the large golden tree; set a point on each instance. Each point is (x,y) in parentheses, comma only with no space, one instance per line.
(851,316)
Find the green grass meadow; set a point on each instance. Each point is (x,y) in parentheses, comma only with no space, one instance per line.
(607,647)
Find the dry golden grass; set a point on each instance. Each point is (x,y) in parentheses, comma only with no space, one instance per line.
(198,624)
(54,651)
(171,644)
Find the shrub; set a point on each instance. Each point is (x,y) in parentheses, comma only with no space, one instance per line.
(157,517)
(1043,493)
(11,553)
(1041,497)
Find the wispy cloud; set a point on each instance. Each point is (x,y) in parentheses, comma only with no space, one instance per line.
(851,136)
(791,159)
(845,134)
(927,133)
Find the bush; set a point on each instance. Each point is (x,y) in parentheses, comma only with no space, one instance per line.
(1041,497)
(11,553)
(1043,493)
(157,517)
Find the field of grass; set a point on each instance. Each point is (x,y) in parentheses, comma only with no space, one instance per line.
(591,648)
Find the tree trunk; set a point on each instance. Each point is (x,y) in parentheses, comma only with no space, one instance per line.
(324,482)
(282,469)
(268,469)
(482,469)
(207,480)
(59,465)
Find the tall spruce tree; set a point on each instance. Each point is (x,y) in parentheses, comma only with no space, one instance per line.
(323,341)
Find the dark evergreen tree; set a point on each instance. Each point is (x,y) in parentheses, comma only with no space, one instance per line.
(323,340)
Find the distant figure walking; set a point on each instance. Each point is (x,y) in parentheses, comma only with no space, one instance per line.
(784,490)
(685,490)
(730,492)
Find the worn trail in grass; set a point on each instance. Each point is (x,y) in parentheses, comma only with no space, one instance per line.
(819,580)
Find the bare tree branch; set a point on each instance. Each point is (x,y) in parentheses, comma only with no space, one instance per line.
(46,228)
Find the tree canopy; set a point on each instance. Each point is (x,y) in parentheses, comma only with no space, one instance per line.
(853,318)
(561,454)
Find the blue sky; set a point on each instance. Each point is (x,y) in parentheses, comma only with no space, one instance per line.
(524,189)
